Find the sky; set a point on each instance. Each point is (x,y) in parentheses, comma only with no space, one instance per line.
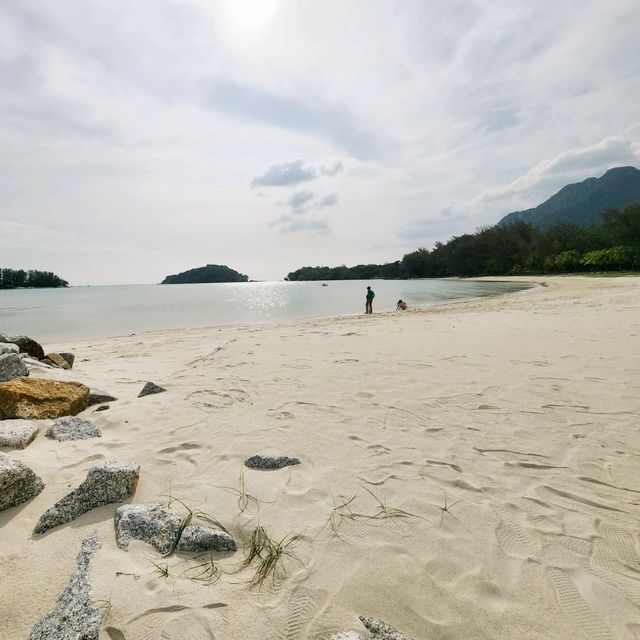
(140,139)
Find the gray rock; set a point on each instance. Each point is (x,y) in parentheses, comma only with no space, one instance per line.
(151,523)
(50,363)
(8,347)
(100,397)
(74,617)
(73,428)
(28,345)
(17,482)
(270,462)
(196,538)
(102,407)
(4,338)
(105,483)
(150,388)
(69,358)
(348,635)
(380,630)
(17,434)
(12,366)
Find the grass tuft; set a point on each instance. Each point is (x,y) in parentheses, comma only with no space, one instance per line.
(268,553)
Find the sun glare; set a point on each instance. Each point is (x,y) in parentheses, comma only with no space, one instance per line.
(251,14)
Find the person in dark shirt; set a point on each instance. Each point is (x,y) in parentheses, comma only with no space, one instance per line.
(369,304)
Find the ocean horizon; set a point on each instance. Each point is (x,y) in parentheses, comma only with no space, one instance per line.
(87,312)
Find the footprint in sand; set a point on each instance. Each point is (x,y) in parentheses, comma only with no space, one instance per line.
(575,607)
(209,400)
(512,538)
(163,623)
(303,607)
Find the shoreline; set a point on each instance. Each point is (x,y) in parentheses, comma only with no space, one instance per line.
(519,409)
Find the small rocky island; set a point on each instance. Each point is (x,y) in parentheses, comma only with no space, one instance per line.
(210,273)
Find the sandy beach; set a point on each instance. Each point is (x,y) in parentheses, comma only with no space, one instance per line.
(519,412)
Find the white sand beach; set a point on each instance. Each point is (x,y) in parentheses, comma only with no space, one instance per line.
(521,411)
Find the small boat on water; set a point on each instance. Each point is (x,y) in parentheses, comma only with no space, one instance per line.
(324,284)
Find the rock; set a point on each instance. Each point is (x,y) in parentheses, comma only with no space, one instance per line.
(69,358)
(17,434)
(12,366)
(17,482)
(35,398)
(150,388)
(99,397)
(50,363)
(8,347)
(270,462)
(73,428)
(58,360)
(380,630)
(196,538)
(105,483)
(74,617)
(28,345)
(151,523)
(347,635)
(102,407)
(4,338)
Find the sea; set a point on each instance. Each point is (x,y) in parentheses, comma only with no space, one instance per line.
(78,313)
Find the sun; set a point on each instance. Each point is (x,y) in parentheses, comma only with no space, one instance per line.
(251,14)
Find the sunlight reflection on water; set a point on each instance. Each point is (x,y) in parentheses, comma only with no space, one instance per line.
(88,312)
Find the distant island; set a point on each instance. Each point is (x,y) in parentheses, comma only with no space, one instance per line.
(31,279)
(210,273)
(591,226)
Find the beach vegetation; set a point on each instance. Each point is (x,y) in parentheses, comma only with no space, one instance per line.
(269,554)
(245,500)
(445,509)
(384,510)
(613,245)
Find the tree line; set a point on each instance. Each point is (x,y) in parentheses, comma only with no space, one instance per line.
(15,278)
(517,248)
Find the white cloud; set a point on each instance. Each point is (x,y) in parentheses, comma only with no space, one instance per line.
(140,126)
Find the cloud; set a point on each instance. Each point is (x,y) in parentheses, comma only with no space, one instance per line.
(302,113)
(575,165)
(285,174)
(328,201)
(335,168)
(299,199)
(289,224)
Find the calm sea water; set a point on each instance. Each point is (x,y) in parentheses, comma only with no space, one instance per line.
(92,312)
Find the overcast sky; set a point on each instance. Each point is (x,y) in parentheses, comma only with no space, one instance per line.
(142,138)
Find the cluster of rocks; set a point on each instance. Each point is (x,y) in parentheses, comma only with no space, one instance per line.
(165,531)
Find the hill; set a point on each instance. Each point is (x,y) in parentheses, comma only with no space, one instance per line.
(210,273)
(19,278)
(583,203)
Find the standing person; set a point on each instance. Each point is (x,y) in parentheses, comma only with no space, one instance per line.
(369,304)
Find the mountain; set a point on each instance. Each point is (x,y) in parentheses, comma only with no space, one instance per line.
(583,203)
(210,273)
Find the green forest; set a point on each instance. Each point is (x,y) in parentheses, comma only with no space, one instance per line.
(209,273)
(517,248)
(15,278)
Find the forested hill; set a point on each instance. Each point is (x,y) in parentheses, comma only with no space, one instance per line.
(19,278)
(583,203)
(517,248)
(210,273)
